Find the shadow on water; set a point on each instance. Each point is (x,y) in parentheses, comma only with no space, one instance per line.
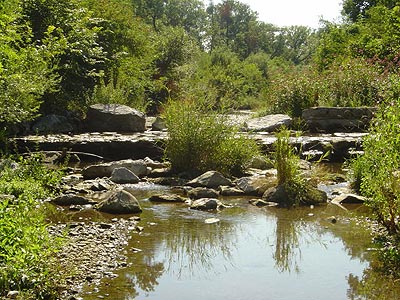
(251,253)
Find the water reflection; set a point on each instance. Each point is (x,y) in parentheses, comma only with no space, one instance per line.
(290,254)
(372,285)
(287,251)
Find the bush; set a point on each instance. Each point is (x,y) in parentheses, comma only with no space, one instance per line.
(292,92)
(377,172)
(200,140)
(26,248)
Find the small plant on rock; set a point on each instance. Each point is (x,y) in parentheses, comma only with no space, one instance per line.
(293,187)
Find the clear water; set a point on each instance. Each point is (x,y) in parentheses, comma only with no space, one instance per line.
(252,253)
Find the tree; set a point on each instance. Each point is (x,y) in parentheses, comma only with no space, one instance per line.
(150,10)
(69,34)
(357,9)
(234,25)
(295,43)
(188,14)
(24,72)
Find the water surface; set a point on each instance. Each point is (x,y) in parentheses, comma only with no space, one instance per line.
(252,253)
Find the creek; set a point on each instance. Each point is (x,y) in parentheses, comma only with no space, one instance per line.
(250,253)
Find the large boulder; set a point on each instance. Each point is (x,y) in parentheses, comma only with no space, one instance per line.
(268,123)
(138,167)
(348,199)
(210,179)
(255,185)
(115,118)
(338,119)
(71,199)
(120,202)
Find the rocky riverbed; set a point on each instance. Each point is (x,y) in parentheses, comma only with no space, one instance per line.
(93,250)
(97,235)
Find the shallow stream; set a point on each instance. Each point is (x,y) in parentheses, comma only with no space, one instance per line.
(250,253)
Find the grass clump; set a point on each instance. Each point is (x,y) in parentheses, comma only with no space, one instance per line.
(294,189)
(26,247)
(201,140)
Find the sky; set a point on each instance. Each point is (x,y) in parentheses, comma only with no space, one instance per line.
(294,12)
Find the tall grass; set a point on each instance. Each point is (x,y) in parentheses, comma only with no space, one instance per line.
(201,140)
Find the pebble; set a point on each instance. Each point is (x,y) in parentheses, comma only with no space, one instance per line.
(92,251)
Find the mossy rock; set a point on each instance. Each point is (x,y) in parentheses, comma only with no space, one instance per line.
(289,194)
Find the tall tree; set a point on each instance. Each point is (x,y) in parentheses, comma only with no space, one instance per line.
(235,25)
(24,72)
(151,10)
(356,9)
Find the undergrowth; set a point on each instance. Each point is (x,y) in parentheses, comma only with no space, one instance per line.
(26,247)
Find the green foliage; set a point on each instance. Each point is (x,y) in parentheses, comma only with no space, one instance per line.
(354,82)
(24,73)
(200,140)
(286,161)
(349,83)
(376,173)
(292,92)
(26,248)
(287,164)
(224,80)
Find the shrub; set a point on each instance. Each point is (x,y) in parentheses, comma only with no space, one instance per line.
(353,82)
(26,247)
(201,140)
(292,92)
(377,172)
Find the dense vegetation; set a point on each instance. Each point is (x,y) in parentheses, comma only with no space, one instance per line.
(64,56)
(182,57)
(27,261)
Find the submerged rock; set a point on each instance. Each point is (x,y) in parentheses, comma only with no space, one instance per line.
(120,202)
(206,204)
(166,198)
(261,203)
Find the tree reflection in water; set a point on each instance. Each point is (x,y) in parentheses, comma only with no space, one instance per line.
(193,249)
(181,244)
(291,225)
